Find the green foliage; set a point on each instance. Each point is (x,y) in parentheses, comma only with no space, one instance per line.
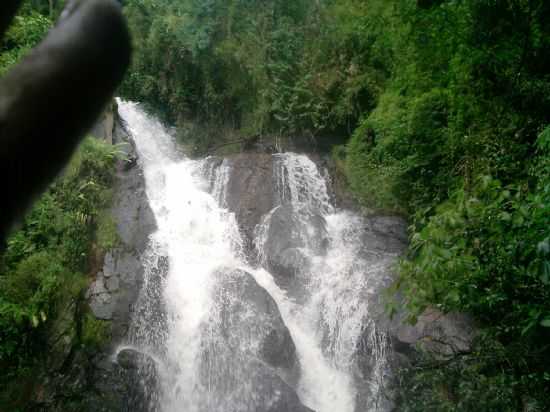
(35,282)
(481,380)
(486,252)
(455,141)
(95,333)
(455,107)
(106,234)
(301,67)
(41,269)
(48,8)
(26,30)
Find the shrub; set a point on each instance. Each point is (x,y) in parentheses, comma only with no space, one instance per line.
(42,268)
(106,234)
(95,333)
(487,252)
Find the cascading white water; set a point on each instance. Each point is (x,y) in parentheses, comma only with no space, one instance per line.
(178,322)
(330,326)
(299,183)
(197,237)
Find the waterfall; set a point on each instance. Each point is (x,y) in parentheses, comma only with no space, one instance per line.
(226,334)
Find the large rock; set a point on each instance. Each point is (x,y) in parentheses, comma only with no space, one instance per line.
(386,234)
(142,381)
(251,389)
(289,263)
(441,335)
(274,395)
(288,237)
(114,292)
(250,321)
(115,289)
(131,211)
(122,269)
(250,190)
(248,358)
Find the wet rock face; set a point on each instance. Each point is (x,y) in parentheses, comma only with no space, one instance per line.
(442,335)
(289,264)
(250,191)
(114,291)
(287,235)
(250,321)
(131,211)
(276,395)
(141,375)
(248,350)
(386,234)
(233,391)
(115,288)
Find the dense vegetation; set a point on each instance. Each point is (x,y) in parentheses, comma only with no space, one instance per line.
(46,262)
(45,267)
(279,67)
(446,106)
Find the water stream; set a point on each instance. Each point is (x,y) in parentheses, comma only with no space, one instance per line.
(198,313)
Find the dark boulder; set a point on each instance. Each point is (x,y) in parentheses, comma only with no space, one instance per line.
(249,387)
(142,381)
(132,359)
(248,356)
(441,335)
(385,234)
(250,321)
(250,191)
(289,264)
(275,395)
(131,211)
(287,239)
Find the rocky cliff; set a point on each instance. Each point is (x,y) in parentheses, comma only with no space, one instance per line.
(88,378)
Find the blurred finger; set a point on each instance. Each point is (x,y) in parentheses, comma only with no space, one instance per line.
(53,97)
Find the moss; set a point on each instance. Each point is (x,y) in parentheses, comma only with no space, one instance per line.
(106,234)
(95,333)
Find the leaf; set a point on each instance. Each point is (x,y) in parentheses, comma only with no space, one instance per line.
(544,247)
(545,323)
(528,328)
(453,296)
(545,269)
(518,220)
(505,216)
